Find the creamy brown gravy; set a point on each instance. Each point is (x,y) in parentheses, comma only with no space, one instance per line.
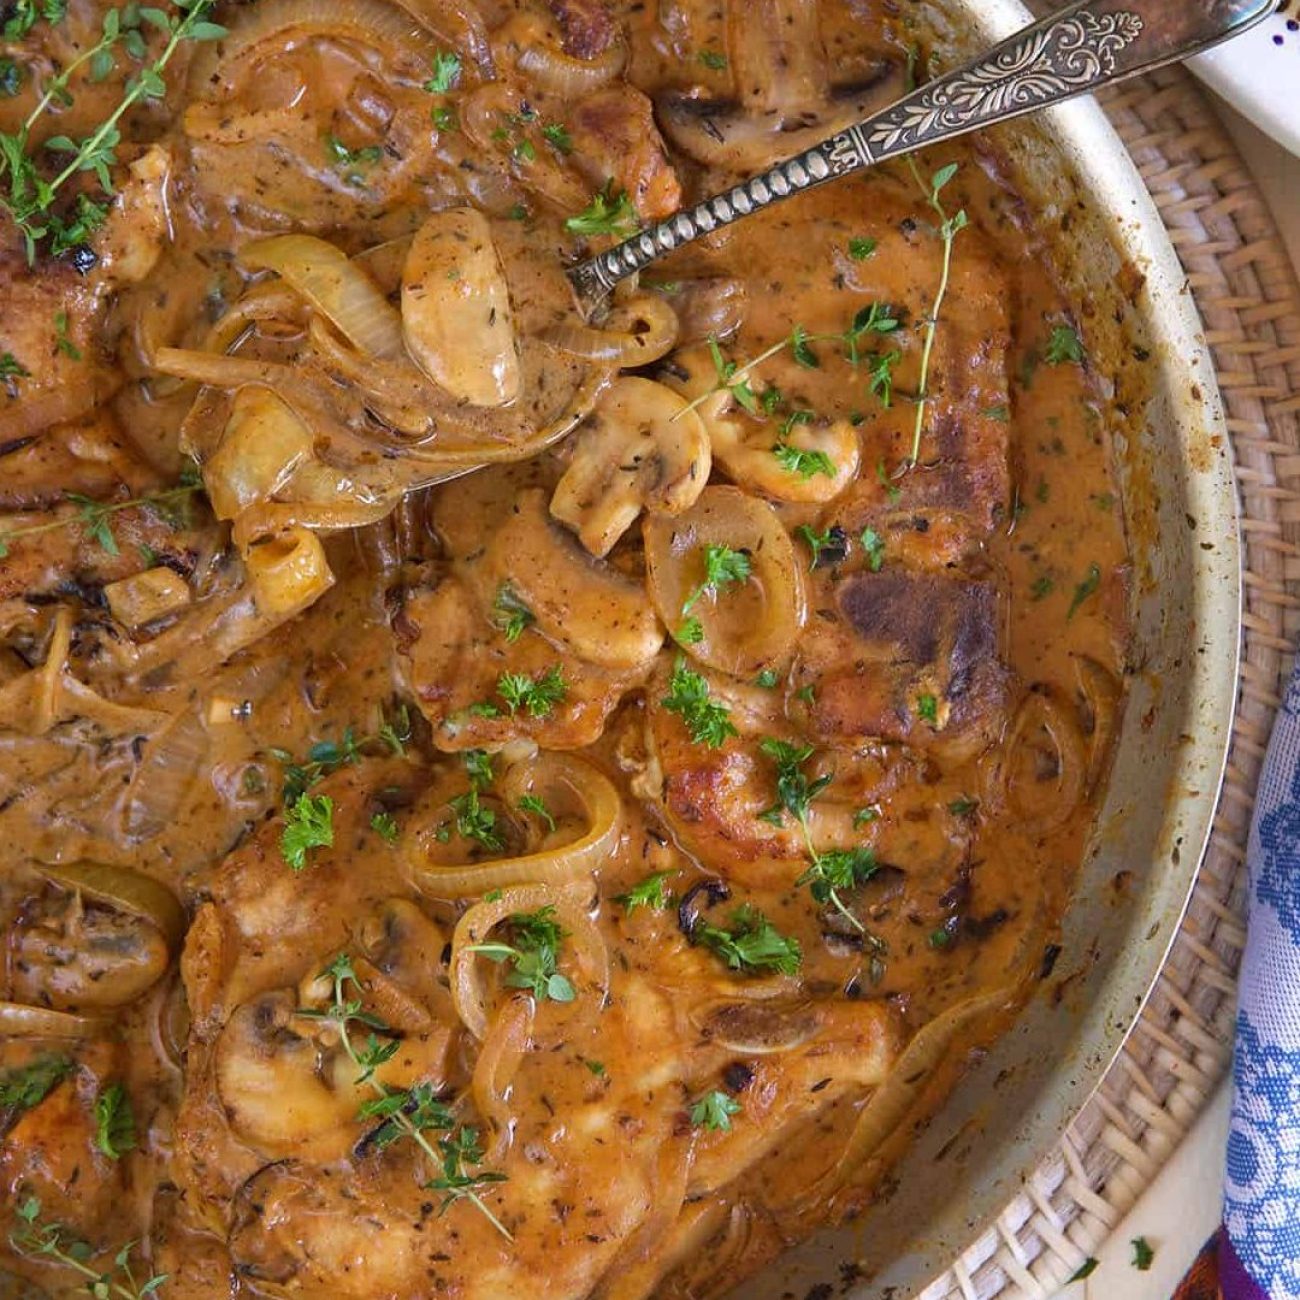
(239,1186)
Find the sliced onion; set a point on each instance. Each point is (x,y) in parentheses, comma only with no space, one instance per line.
(461,23)
(499,1058)
(583,944)
(634,334)
(906,1082)
(367,22)
(526,42)
(220,370)
(1102,695)
(126,890)
(747,627)
(335,285)
(21,1021)
(1037,805)
(637,1269)
(167,770)
(567,785)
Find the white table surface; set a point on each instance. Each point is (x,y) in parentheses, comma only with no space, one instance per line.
(1181,1208)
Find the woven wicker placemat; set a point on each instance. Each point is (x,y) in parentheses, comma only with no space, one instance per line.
(1182,1044)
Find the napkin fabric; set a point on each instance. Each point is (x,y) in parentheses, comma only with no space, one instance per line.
(1259,1247)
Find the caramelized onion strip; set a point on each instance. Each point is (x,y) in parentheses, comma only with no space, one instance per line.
(526,42)
(1038,804)
(754,625)
(18,1020)
(335,285)
(561,782)
(635,334)
(582,945)
(906,1083)
(499,1058)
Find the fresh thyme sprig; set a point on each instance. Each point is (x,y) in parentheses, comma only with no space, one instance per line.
(835,869)
(34,1237)
(949,228)
(93,516)
(30,199)
(409,1112)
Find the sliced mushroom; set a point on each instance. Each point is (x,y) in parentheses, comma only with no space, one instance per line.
(284,1092)
(580,603)
(758,1028)
(746,446)
(73,954)
(781,104)
(456,316)
(641,448)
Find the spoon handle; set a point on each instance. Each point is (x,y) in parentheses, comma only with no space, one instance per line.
(1084,46)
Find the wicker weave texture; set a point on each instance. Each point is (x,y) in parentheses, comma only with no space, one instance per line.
(1248,297)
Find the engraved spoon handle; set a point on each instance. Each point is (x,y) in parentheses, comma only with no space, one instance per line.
(1084,46)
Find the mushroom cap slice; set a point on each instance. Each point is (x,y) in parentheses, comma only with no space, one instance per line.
(580,603)
(456,316)
(641,448)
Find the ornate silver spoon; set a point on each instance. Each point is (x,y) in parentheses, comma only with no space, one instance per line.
(1086,45)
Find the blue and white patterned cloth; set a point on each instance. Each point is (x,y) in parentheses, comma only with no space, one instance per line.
(1260,1246)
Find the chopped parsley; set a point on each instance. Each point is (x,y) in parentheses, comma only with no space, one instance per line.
(533,955)
(114,1122)
(691,632)
(1086,1269)
(384,824)
(838,869)
(797,460)
(927,707)
(794,790)
(752,943)
(352,163)
(1088,587)
(478,767)
(510,614)
(708,721)
(12,368)
(28,1085)
(308,824)
(963,807)
(1143,1254)
(865,816)
(652,892)
(535,804)
(610,212)
(861,249)
(873,547)
(446,73)
(61,339)
(1042,588)
(558,137)
(767,679)
(723,568)
(1063,345)
(538,696)
(712,59)
(474,821)
(829,543)
(714,1111)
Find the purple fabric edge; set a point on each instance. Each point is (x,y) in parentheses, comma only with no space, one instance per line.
(1234,1282)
